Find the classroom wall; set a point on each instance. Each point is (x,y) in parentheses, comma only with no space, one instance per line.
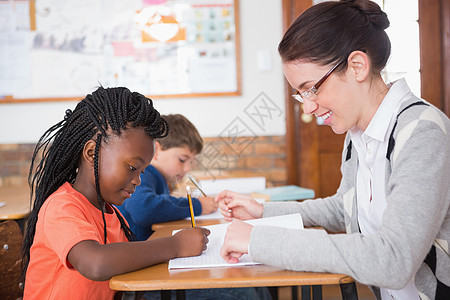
(260,32)
(220,158)
(244,135)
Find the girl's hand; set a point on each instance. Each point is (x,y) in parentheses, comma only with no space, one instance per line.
(208,205)
(239,206)
(191,241)
(236,241)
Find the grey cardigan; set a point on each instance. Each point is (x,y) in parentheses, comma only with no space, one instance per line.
(415,233)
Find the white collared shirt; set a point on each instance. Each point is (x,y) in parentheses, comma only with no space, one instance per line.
(371,146)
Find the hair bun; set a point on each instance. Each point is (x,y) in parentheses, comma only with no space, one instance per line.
(378,18)
(373,11)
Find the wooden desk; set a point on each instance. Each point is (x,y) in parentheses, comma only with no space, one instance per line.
(159,277)
(179,224)
(17,204)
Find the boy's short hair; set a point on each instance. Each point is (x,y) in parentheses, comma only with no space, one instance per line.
(181,133)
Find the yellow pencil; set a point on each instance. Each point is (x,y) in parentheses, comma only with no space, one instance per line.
(191,208)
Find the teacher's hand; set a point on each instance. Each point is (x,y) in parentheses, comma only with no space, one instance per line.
(239,206)
(236,241)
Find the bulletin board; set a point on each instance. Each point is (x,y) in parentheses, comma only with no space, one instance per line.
(54,50)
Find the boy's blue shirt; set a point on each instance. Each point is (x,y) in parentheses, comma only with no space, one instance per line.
(151,203)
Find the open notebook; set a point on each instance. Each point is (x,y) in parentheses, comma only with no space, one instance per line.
(211,256)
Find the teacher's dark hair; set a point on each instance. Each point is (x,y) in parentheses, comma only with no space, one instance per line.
(328,32)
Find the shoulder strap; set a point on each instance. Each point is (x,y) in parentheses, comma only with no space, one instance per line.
(391,143)
(349,151)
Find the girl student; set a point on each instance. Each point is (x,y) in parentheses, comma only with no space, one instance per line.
(91,161)
(393,200)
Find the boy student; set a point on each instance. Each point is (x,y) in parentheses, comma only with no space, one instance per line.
(151,202)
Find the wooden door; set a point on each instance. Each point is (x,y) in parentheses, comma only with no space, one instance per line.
(314,151)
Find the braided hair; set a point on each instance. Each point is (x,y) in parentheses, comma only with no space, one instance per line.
(61,146)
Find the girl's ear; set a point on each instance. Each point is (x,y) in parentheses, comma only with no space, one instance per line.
(359,65)
(89,152)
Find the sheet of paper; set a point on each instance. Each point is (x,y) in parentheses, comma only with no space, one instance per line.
(244,185)
(214,215)
(211,256)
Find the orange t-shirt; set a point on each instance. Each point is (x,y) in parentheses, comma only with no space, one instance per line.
(65,219)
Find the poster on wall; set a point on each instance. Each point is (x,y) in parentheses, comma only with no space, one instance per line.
(52,49)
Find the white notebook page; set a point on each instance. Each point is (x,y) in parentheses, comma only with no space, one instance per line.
(211,256)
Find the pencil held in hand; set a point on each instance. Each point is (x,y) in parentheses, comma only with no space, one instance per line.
(191,207)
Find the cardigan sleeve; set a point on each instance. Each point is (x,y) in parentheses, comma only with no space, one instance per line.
(324,212)
(418,197)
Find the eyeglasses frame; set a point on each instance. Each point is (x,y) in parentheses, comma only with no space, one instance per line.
(300,97)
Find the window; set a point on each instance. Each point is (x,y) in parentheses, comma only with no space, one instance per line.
(404,35)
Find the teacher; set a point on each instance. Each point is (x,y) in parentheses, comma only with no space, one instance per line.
(393,200)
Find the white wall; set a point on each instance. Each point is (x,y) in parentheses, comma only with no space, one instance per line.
(260,32)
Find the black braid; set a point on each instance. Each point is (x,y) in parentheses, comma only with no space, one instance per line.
(97,183)
(128,233)
(58,152)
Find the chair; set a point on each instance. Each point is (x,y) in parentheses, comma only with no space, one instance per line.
(11,286)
